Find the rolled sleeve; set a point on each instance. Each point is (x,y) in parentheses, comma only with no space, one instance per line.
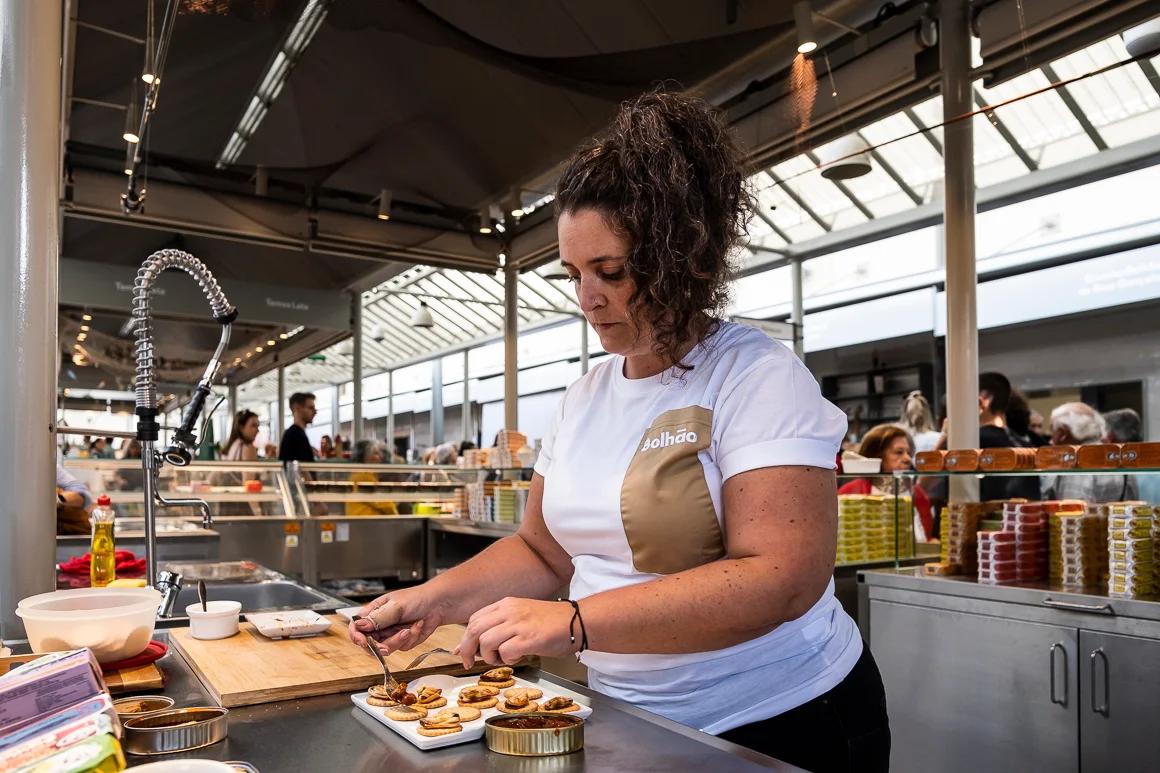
(66,482)
(774,415)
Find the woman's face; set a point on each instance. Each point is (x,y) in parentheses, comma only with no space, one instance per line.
(324,444)
(897,456)
(250,429)
(595,258)
(375,456)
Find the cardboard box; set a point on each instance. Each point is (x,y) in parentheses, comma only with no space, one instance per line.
(47,685)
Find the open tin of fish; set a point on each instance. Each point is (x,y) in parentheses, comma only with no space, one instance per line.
(536,734)
(175,730)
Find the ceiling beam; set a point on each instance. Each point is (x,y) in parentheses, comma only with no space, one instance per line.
(798,200)
(928,134)
(1150,73)
(1005,132)
(841,186)
(1073,107)
(892,173)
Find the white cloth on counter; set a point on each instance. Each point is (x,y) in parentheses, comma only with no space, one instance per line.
(765,410)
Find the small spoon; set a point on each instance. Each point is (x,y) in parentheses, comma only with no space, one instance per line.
(201,595)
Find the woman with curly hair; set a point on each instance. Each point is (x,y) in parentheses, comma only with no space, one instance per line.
(685,491)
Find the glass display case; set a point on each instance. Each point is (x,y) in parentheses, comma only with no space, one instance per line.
(252,503)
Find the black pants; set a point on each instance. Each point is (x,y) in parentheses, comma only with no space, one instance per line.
(845,729)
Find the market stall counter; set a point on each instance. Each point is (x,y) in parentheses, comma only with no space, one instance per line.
(330,733)
(1031,676)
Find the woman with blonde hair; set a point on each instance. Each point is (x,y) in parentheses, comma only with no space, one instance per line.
(918,420)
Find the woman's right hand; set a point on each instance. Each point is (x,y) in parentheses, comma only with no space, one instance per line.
(399,620)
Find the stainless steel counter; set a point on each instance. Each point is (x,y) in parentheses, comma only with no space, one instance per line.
(329,733)
(1020,677)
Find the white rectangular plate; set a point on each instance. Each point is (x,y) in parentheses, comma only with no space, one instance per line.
(450,685)
(347,612)
(291,624)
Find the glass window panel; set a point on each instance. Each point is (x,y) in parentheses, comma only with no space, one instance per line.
(1066,151)
(800,175)
(1137,127)
(989,144)
(998,171)
(760,291)
(807,229)
(930,114)
(875,190)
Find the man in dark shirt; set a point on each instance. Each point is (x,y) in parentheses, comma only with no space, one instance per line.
(295,445)
(994,397)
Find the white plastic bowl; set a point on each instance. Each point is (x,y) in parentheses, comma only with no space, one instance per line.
(115,623)
(220,621)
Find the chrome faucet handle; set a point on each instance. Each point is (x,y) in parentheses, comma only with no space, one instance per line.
(169,583)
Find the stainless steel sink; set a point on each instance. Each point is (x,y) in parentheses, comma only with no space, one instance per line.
(266,596)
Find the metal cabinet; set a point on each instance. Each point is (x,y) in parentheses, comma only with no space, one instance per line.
(1120,689)
(969,692)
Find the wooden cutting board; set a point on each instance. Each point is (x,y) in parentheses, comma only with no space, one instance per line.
(248,668)
(147,677)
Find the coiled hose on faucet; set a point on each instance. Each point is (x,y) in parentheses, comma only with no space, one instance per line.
(146,387)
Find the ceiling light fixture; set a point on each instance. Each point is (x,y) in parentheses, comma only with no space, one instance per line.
(87,317)
(803,20)
(132,118)
(130,158)
(259,349)
(271,342)
(289,53)
(422,316)
(384,204)
(283,336)
(845,158)
(85,328)
(484,221)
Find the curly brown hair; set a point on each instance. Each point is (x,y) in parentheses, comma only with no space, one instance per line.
(669,177)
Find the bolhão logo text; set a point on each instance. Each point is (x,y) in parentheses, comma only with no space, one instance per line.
(666,439)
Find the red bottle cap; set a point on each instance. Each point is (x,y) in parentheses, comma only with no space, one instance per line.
(104,501)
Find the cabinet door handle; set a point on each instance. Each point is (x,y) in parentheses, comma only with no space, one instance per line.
(1058,646)
(1096,609)
(1099,708)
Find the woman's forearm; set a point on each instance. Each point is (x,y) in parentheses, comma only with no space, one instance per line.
(509,567)
(711,607)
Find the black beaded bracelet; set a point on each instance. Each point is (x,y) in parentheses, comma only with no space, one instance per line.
(572,627)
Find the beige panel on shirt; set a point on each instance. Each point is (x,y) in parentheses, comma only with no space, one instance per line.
(665,505)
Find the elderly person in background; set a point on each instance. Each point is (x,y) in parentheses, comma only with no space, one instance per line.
(1124,426)
(368,452)
(1079,424)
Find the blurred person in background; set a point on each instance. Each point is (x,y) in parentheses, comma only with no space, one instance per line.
(894,446)
(295,446)
(994,399)
(918,420)
(240,445)
(73,501)
(99,449)
(1079,424)
(369,452)
(1019,422)
(1124,426)
(1035,423)
(325,448)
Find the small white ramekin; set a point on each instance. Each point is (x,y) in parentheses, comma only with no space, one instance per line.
(219,621)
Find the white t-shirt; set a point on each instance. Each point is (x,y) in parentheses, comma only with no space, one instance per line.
(633,473)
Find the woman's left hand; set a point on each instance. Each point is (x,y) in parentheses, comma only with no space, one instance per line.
(512,628)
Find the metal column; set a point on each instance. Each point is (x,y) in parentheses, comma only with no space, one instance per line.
(391,409)
(436,401)
(30,104)
(962,345)
(278,420)
(232,399)
(467,433)
(583,345)
(799,315)
(335,424)
(356,424)
(511,376)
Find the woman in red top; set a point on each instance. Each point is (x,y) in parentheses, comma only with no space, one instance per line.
(894,446)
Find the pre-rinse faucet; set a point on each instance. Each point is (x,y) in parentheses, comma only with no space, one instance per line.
(184,443)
